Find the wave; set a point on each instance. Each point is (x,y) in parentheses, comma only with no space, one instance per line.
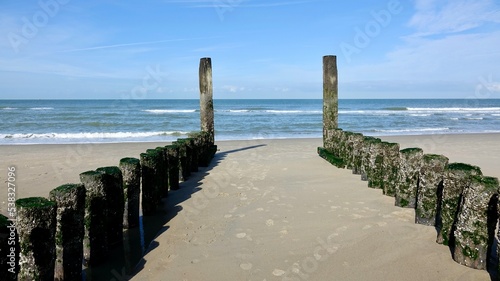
(273,111)
(9,108)
(165,111)
(92,135)
(420,115)
(413,130)
(395,108)
(41,108)
(455,109)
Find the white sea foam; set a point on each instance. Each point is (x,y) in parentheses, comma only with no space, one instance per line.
(41,108)
(165,111)
(91,135)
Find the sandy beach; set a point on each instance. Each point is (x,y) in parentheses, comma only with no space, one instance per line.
(273,210)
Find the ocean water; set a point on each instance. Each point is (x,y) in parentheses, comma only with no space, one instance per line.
(96,121)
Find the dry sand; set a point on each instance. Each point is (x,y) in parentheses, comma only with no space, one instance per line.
(274,210)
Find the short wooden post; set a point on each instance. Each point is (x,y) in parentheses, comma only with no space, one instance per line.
(476,223)
(206,98)
(408,175)
(457,178)
(149,167)
(131,171)
(330,98)
(115,200)
(173,166)
(430,188)
(70,230)
(36,225)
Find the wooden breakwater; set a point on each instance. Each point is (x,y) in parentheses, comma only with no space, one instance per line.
(456,198)
(81,223)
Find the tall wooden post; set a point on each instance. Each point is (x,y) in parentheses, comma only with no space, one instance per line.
(330,98)
(206,98)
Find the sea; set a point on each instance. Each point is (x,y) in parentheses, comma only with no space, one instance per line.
(109,121)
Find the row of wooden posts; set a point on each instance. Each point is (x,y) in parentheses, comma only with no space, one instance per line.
(456,198)
(87,219)
(79,223)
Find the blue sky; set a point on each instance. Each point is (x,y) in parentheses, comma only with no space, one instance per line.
(260,49)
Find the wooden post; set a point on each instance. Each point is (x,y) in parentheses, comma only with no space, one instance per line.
(70,230)
(206,98)
(131,171)
(36,226)
(330,97)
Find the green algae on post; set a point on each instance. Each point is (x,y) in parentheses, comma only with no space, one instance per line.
(408,176)
(70,230)
(36,227)
(95,242)
(457,178)
(477,217)
(131,171)
(430,186)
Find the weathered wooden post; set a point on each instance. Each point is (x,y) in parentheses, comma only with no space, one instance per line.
(70,230)
(184,158)
(131,171)
(430,187)
(113,179)
(390,167)
(9,249)
(408,175)
(476,222)
(206,98)
(173,166)
(149,170)
(36,226)
(330,99)
(162,176)
(95,242)
(457,178)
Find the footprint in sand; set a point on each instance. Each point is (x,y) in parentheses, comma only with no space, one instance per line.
(382,223)
(246,266)
(269,222)
(368,226)
(260,209)
(278,272)
(241,235)
(228,216)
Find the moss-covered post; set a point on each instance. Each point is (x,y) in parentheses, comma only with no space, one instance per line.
(430,187)
(330,98)
(370,153)
(390,168)
(476,222)
(357,146)
(184,158)
(36,226)
(162,176)
(116,203)
(206,98)
(131,172)
(457,178)
(408,175)
(173,166)
(95,241)
(9,249)
(149,170)
(70,230)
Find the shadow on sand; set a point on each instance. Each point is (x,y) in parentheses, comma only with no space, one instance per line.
(126,261)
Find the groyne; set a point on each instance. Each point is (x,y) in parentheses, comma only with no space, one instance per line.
(455,198)
(80,223)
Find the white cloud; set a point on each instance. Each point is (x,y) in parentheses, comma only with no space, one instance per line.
(444,17)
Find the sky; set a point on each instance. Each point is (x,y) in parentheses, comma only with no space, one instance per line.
(68,49)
